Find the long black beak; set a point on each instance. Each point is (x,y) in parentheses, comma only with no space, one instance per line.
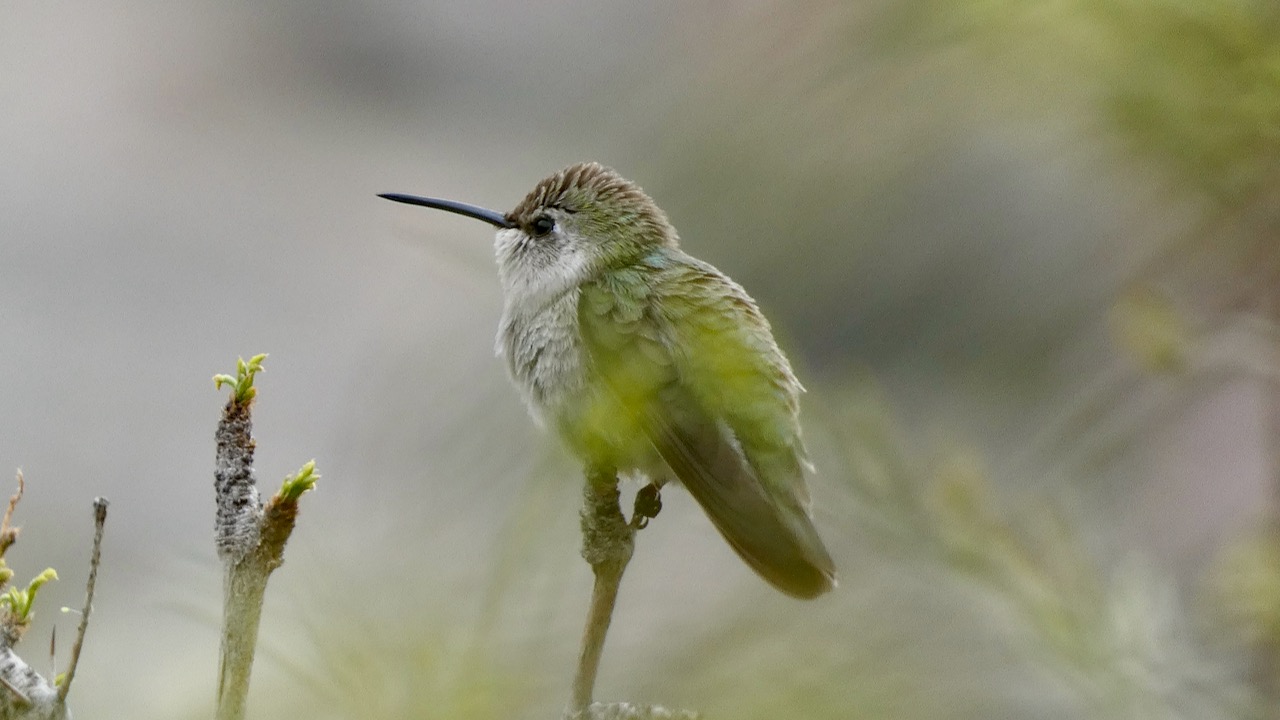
(492,217)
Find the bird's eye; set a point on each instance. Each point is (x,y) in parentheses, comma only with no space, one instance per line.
(542,225)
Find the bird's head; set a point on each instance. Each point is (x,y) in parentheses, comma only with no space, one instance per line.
(571,226)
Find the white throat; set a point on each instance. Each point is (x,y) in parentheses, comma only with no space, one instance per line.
(533,277)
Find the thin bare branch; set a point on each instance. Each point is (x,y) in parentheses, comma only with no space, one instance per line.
(99,522)
(8,533)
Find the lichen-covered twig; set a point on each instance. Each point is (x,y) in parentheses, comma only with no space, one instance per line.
(239,514)
(250,538)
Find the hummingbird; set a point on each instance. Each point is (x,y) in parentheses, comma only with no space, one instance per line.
(650,362)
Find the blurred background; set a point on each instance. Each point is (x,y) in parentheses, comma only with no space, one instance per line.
(1023,255)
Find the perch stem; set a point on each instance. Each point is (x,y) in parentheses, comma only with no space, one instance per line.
(607,544)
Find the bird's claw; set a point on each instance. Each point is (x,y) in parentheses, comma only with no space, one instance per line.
(648,505)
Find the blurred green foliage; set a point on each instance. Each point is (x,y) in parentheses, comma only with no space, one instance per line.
(1144,323)
(1189,85)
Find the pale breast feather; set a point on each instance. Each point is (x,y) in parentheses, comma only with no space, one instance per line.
(544,355)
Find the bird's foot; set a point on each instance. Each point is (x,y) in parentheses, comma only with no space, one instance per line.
(648,505)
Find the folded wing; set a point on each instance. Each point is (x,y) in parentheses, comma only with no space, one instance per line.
(698,373)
